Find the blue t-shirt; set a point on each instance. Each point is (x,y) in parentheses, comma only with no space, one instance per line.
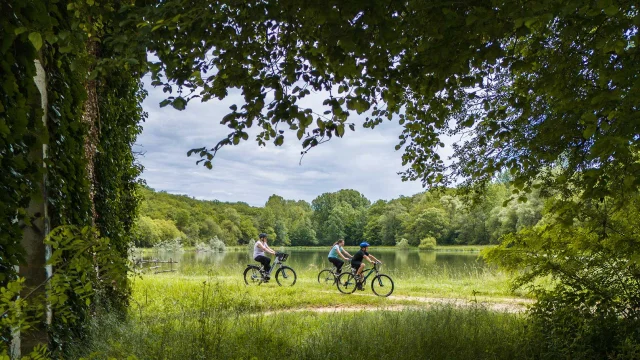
(334,251)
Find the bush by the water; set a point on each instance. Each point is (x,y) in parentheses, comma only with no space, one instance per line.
(251,244)
(402,244)
(174,245)
(214,245)
(428,243)
(217,245)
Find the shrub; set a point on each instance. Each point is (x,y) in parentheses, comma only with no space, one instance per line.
(174,245)
(402,244)
(217,245)
(428,243)
(251,244)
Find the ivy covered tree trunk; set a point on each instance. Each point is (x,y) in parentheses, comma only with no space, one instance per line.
(36,253)
(91,118)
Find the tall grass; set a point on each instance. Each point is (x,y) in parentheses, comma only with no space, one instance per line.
(209,313)
(218,321)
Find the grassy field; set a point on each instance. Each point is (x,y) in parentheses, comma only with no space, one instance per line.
(215,316)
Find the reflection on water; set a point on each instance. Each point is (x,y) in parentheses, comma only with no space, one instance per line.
(394,260)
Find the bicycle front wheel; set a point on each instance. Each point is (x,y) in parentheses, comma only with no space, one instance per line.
(382,285)
(252,275)
(326,278)
(346,283)
(285,276)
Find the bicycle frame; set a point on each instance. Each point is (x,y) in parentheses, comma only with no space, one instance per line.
(276,262)
(369,271)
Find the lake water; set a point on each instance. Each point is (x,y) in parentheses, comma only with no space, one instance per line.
(394,261)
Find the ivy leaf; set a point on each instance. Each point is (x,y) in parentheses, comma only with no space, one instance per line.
(36,40)
(611,10)
(589,131)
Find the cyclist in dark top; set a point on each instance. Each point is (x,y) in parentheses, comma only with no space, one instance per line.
(356,261)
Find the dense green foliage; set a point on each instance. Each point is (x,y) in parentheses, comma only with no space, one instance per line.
(57,33)
(347,214)
(527,84)
(590,252)
(76,278)
(546,90)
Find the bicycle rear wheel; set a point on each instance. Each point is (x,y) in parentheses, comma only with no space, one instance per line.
(252,275)
(326,278)
(346,283)
(285,276)
(382,285)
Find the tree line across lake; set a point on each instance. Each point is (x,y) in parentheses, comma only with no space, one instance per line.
(439,216)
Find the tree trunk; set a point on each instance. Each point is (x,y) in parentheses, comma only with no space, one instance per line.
(91,117)
(34,270)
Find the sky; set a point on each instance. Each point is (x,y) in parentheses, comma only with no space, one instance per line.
(364,160)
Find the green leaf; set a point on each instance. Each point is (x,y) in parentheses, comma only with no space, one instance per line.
(279,140)
(19,30)
(179,103)
(611,10)
(340,130)
(589,131)
(4,129)
(36,40)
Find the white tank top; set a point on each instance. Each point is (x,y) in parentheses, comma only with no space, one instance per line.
(257,251)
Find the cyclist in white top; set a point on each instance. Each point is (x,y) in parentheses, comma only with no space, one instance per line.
(258,253)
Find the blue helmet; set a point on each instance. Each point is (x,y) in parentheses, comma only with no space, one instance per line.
(364,244)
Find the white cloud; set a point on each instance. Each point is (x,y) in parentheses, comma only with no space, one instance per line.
(364,160)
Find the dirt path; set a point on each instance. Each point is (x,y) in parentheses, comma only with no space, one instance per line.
(507,305)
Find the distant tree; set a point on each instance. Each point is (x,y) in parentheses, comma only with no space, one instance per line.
(302,233)
(282,235)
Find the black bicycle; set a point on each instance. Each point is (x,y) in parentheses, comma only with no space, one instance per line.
(381,284)
(285,276)
(330,276)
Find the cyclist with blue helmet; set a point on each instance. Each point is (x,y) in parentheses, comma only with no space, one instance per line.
(356,261)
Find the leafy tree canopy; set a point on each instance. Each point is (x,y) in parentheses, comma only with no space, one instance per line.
(527,84)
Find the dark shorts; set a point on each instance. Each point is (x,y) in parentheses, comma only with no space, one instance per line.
(355,264)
